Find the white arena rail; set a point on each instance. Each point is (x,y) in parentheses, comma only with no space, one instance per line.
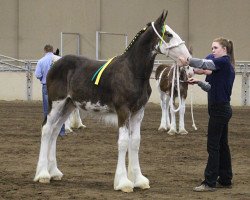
(9,64)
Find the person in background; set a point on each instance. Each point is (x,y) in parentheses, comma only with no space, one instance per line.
(42,68)
(219,68)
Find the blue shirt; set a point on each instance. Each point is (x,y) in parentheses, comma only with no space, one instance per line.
(43,66)
(221,80)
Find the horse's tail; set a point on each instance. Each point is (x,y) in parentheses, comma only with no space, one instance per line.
(59,78)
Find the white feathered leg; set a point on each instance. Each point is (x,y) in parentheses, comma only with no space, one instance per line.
(47,164)
(55,173)
(168,112)
(134,170)
(182,129)
(48,129)
(172,130)
(121,181)
(42,173)
(76,121)
(68,125)
(163,125)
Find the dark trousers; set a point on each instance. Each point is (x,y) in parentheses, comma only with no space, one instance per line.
(219,158)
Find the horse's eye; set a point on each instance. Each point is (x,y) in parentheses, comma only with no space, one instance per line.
(169,35)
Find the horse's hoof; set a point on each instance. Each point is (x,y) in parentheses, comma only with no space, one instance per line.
(124,185)
(171,132)
(127,189)
(161,129)
(142,182)
(43,176)
(44,180)
(68,130)
(143,186)
(183,132)
(82,126)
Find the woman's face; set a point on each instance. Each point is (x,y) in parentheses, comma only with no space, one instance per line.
(218,50)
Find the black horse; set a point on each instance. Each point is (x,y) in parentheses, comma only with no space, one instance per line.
(123,89)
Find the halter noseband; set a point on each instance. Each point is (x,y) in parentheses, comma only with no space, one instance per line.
(168,47)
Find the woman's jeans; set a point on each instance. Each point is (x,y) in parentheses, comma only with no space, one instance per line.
(45,106)
(219,157)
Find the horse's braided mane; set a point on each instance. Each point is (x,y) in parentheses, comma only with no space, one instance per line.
(136,38)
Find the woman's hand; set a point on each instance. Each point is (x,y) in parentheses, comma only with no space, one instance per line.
(192,81)
(183,61)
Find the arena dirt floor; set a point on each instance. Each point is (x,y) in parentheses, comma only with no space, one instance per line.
(173,164)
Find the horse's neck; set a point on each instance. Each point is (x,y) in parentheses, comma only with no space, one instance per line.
(183,75)
(141,63)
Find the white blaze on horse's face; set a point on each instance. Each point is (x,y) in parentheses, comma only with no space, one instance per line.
(189,71)
(174,46)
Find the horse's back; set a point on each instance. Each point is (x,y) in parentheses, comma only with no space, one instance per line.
(74,61)
(68,70)
(164,76)
(160,69)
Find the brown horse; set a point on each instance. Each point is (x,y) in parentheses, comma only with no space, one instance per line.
(121,94)
(164,76)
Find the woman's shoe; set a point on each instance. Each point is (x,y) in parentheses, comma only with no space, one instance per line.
(204,188)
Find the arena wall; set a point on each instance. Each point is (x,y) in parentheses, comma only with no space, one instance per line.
(28,25)
(17,90)
(9,28)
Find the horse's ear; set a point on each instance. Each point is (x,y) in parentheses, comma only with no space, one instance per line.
(161,19)
(57,52)
(165,14)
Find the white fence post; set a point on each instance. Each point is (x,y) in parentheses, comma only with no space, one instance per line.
(29,81)
(245,86)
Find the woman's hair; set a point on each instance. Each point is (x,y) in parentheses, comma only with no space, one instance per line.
(229,47)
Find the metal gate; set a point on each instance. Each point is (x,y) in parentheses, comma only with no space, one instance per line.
(8,64)
(77,35)
(243,68)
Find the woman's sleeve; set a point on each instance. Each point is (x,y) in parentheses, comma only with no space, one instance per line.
(38,71)
(204,85)
(202,64)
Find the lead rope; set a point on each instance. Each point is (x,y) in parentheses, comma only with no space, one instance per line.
(178,89)
(192,112)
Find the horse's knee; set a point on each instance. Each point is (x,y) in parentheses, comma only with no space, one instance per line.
(123,143)
(123,140)
(46,130)
(135,143)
